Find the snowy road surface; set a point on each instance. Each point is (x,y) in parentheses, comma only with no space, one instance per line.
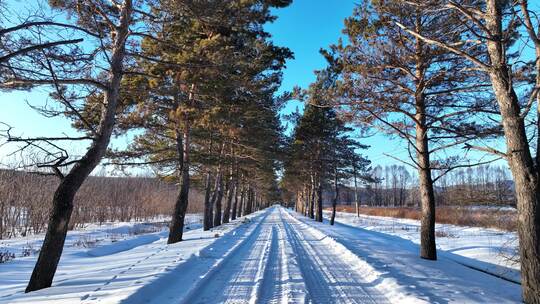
(283,262)
(271,256)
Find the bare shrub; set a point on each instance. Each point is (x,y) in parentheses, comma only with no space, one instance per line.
(86,242)
(28,250)
(146,228)
(6,256)
(444,233)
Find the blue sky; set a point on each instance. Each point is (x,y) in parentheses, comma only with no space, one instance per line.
(305,27)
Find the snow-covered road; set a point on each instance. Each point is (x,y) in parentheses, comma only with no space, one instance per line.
(283,262)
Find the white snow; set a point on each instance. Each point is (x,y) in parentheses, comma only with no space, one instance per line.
(277,256)
(405,278)
(491,250)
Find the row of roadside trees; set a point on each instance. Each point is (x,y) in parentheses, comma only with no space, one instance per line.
(191,83)
(448,78)
(444,74)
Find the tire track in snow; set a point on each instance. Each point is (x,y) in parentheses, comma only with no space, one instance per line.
(292,284)
(283,281)
(328,277)
(234,280)
(270,290)
(260,271)
(282,261)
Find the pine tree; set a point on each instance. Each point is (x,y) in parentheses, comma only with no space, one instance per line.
(320,150)
(489,25)
(400,85)
(98,67)
(209,68)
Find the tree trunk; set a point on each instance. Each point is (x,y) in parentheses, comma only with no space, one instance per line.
(218,196)
(176,229)
(249,203)
(312,199)
(241,206)
(297,202)
(356,201)
(207,216)
(319,201)
(428,249)
(230,192)
(257,201)
(526,187)
(336,197)
(53,245)
(235,203)
(303,201)
(519,157)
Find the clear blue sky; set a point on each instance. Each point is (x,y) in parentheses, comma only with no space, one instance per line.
(304,27)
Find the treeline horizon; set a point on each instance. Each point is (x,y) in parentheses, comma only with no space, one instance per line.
(24,196)
(25,201)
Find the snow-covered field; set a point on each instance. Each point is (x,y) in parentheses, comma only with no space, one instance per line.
(93,257)
(490,250)
(275,256)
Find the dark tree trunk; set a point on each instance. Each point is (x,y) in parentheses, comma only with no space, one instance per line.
(312,199)
(356,198)
(176,229)
(216,199)
(304,202)
(235,203)
(227,210)
(336,197)
(519,157)
(301,202)
(428,249)
(249,203)
(297,202)
(241,206)
(251,200)
(319,201)
(62,205)
(207,216)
